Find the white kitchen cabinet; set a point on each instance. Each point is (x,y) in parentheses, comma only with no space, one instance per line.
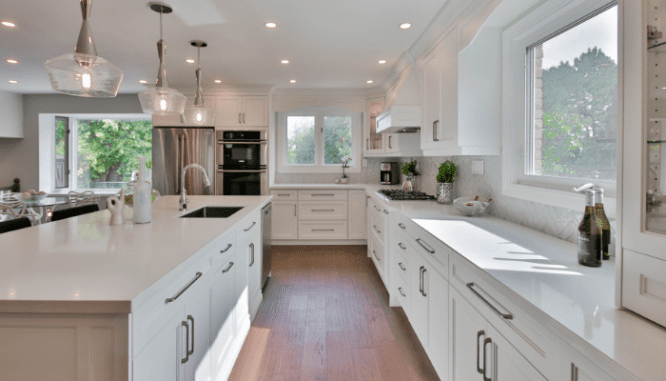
(255,111)
(249,251)
(285,220)
(572,366)
(438,317)
(223,319)
(241,111)
(420,291)
(505,362)
(197,317)
(356,214)
(162,358)
(387,144)
(228,111)
(467,331)
(11,108)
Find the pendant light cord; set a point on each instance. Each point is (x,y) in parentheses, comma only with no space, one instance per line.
(160,24)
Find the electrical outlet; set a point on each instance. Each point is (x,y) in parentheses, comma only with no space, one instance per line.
(477,167)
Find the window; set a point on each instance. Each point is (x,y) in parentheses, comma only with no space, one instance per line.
(561,101)
(61,152)
(315,139)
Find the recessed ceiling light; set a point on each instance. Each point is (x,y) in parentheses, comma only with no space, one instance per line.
(8,24)
(285,61)
(11,61)
(189,60)
(143,81)
(405,25)
(293,81)
(381,62)
(369,81)
(218,81)
(13,81)
(271,25)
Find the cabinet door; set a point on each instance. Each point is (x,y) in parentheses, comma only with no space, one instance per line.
(284,220)
(223,321)
(161,359)
(507,363)
(431,96)
(242,307)
(576,367)
(392,143)
(197,316)
(374,142)
(438,316)
(252,252)
(420,291)
(467,331)
(448,106)
(356,214)
(255,111)
(228,112)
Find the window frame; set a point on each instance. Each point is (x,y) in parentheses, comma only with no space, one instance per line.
(68,142)
(542,23)
(319,113)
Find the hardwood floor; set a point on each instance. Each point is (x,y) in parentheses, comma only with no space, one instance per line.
(325,316)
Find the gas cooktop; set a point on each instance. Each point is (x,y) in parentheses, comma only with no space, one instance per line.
(400,195)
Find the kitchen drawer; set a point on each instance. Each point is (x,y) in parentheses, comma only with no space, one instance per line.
(523,331)
(223,247)
(317,210)
(322,195)
(376,225)
(284,195)
(432,249)
(405,225)
(402,264)
(377,208)
(644,285)
(151,315)
(376,251)
(401,291)
(248,226)
(322,230)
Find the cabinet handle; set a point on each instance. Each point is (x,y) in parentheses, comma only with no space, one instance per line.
(389,141)
(402,246)
(367,144)
(323,230)
(231,264)
(169,300)
(402,226)
(226,249)
(401,266)
(478,368)
(574,372)
(191,352)
(425,246)
(187,340)
(435,131)
(243,118)
(375,254)
(284,195)
(376,208)
(323,210)
(294,210)
(486,341)
(505,316)
(423,271)
(421,279)
(322,194)
(251,254)
(251,226)
(401,293)
(239,118)
(375,227)
(385,211)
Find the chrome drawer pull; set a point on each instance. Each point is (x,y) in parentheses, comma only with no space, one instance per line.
(191,351)
(323,210)
(402,226)
(169,300)
(226,249)
(252,253)
(284,195)
(574,372)
(375,254)
(425,246)
(485,342)
(385,211)
(423,271)
(251,226)
(402,246)
(375,227)
(401,293)
(401,266)
(505,316)
(231,264)
(478,336)
(187,339)
(376,208)
(323,230)
(322,195)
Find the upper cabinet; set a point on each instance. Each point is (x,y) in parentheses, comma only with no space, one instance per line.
(387,144)
(11,109)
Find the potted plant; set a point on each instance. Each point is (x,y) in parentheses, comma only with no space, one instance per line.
(445,176)
(409,170)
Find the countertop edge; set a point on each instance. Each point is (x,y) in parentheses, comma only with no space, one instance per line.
(94,307)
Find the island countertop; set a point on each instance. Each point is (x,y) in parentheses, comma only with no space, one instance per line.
(82,264)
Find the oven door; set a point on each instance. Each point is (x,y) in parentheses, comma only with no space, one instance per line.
(241,182)
(238,155)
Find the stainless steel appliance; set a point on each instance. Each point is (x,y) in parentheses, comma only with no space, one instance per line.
(400,195)
(175,149)
(266,243)
(389,173)
(241,163)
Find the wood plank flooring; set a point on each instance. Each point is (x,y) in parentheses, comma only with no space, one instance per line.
(325,316)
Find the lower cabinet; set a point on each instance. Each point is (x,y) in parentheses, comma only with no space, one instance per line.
(576,367)
(197,322)
(223,319)
(162,358)
(249,252)
(284,220)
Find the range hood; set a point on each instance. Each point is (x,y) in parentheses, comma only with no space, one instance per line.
(404,110)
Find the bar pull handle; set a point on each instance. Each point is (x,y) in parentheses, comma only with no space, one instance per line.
(243,118)
(401,293)
(375,228)
(169,300)
(376,208)
(389,141)
(231,264)
(486,341)
(187,340)
(402,246)
(294,210)
(239,118)
(492,307)
(284,195)
(421,279)
(386,211)
(251,254)
(423,272)
(323,194)
(375,254)
(401,266)
(367,144)
(191,351)
(402,226)
(574,372)
(323,210)
(425,246)
(226,249)
(323,230)
(435,131)
(251,226)
(478,367)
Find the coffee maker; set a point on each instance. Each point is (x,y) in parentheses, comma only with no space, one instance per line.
(389,173)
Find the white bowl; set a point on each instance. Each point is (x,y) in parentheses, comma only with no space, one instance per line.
(470,208)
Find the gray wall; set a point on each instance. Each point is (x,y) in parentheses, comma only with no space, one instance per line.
(20,157)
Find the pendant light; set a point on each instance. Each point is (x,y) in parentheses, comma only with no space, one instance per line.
(198,113)
(161,99)
(83,73)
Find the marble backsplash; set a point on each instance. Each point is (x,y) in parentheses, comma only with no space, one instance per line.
(368,175)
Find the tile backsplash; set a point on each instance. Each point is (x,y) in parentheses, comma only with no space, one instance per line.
(368,175)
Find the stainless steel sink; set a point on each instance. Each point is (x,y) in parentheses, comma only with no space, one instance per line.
(213,212)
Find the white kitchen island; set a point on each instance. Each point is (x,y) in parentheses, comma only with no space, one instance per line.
(169,300)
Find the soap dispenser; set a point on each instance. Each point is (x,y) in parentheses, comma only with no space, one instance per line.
(142,196)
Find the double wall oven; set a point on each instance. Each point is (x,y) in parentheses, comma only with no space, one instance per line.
(241,163)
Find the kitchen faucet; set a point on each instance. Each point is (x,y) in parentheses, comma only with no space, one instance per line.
(183,195)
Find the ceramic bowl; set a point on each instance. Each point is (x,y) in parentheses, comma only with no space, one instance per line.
(470,208)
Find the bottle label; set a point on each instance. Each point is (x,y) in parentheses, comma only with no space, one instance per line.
(589,249)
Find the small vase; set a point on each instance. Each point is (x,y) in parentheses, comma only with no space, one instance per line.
(410,184)
(445,193)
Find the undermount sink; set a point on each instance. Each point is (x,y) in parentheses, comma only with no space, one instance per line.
(213,212)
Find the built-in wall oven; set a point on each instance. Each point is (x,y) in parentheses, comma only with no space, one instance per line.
(241,162)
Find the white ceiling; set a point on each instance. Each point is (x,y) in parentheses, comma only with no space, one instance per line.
(329,43)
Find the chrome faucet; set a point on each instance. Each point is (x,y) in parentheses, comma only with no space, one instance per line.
(183,195)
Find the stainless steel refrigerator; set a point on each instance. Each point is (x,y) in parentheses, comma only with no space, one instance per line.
(173,150)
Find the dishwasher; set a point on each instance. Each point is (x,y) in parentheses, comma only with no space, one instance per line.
(266,243)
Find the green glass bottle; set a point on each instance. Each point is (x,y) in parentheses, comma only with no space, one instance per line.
(603,220)
(589,234)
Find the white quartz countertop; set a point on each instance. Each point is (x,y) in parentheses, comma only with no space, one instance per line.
(574,301)
(85,260)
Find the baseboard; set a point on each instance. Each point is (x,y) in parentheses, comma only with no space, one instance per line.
(333,242)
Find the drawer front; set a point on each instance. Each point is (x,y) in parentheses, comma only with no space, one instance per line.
(284,195)
(314,210)
(520,329)
(376,251)
(224,247)
(322,195)
(402,292)
(322,230)
(402,265)
(434,251)
(644,286)
(377,208)
(376,226)
(405,225)
(248,226)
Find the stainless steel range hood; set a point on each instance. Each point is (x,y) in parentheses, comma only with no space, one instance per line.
(404,106)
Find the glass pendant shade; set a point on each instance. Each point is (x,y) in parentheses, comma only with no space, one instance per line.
(83,73)
(198,113)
